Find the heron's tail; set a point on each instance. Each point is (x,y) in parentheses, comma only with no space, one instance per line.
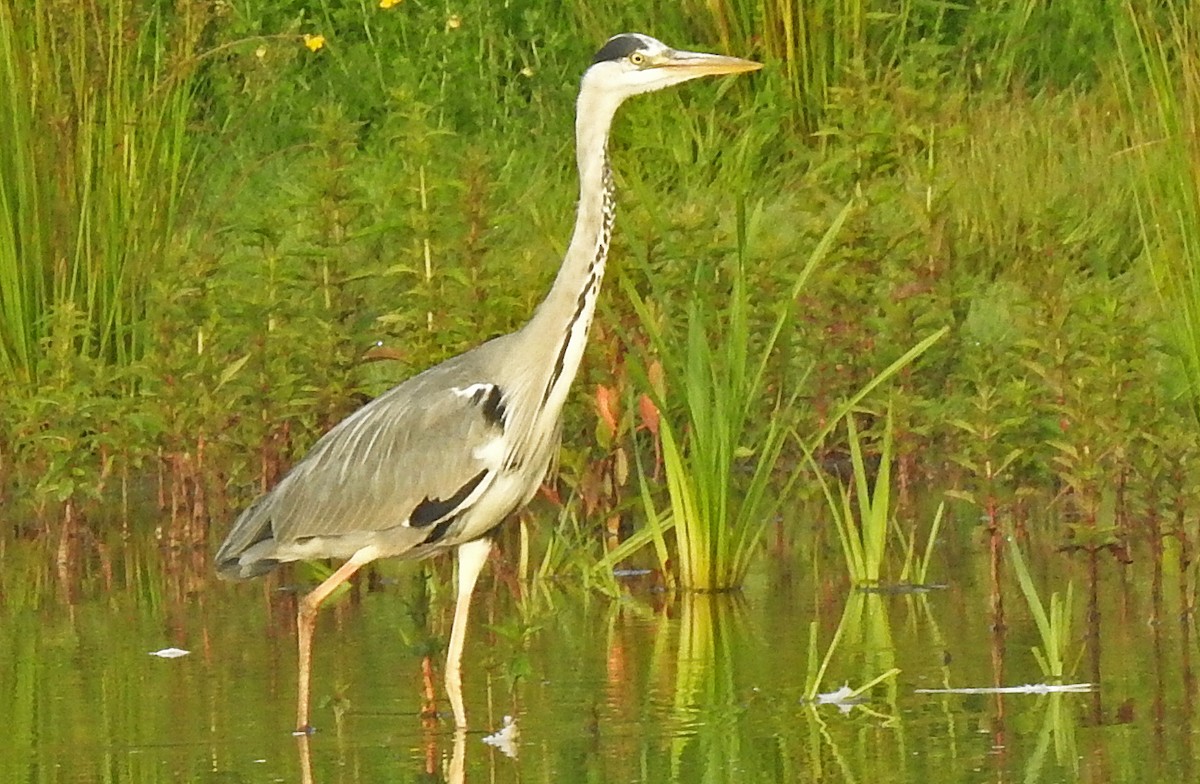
(244,553)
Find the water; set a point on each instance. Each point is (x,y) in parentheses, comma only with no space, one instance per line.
(640,689)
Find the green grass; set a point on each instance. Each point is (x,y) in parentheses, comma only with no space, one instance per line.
(358,190)
(1165,56)
(864,514)
(916,570)
(92,174)
(717,519)
(849,624)
(862,535)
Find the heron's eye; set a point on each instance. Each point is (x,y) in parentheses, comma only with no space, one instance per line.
(637,58)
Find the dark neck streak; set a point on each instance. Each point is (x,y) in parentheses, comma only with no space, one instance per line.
(576,332)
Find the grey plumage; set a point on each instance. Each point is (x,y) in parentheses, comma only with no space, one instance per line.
(441,459)
(419,443)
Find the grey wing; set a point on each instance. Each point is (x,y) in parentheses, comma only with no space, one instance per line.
(394,474)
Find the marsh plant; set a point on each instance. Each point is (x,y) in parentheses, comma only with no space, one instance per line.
(1053,620)
(862,512)
(864,621)
(717,516)
(1167,58)
(375,182)
(916,570)
(93,171)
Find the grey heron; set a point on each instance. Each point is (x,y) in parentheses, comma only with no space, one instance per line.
(436,463)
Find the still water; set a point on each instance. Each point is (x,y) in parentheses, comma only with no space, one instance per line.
(641,688)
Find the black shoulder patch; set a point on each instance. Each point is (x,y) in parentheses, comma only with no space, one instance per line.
(490,400)
(617,47)
(433,509)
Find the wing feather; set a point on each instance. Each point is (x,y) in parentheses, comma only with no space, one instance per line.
(427,447)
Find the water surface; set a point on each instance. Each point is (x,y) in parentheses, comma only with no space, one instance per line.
(644,688)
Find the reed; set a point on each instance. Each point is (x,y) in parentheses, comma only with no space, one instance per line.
(1053,620)
(916,570)
(860,608)
(863,536)
(819,45)
(1160,69)
(862,524)
(718,518)
(93,169)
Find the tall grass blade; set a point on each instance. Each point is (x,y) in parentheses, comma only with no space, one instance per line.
(1054,625)
(1160,65)
(93,169)
(861,526)
(718,520)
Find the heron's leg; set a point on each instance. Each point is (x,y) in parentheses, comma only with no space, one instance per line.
(306,622)
(429,702)
(458,759)
(306,776)
(471,558)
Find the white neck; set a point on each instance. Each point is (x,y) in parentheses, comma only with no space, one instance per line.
(559,327)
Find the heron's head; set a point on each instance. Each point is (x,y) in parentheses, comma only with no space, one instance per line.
(632,63)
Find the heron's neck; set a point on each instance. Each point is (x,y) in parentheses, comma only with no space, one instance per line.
(562,321)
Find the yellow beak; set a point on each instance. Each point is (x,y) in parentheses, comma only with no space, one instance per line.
(702,64)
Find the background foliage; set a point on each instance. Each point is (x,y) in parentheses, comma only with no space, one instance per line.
(211,211)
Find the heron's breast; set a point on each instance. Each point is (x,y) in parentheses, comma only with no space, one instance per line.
(509,491)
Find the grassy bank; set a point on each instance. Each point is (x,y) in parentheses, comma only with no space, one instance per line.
(338,177)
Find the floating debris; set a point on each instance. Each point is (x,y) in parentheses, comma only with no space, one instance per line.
(170,653)
(1029,688)
(844,698)
(505,738)
(902,588)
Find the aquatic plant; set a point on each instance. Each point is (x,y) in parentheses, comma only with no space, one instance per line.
(1058,728)
(1053,621)
(717,520)
(356,193)
(851,624)
(863,536)
(916,570)
(863,515)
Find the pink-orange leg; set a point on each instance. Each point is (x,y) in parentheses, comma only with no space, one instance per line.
(306,622)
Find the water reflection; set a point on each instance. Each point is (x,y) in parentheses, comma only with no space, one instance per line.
(644,688)
(436,768)
(704,691)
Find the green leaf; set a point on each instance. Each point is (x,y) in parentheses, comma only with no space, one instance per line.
(230,371)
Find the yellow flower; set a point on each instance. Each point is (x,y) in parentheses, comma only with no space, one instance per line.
(454,22)
(314,42)
(389,3)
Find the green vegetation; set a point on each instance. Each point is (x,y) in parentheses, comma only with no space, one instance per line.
(717,519)
(1053,621)
(1162,113)
(209,214)
(850,624)
(95,165)
(863,536)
